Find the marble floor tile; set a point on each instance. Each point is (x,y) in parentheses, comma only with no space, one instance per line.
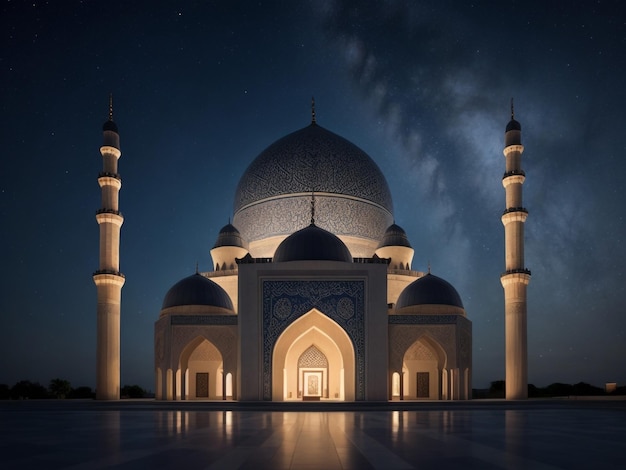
(208,435)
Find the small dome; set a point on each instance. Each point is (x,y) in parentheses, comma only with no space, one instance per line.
(197,290)
(395,236)
(429,290)
(109,126)
(312,243)
(230,236)
(513,125)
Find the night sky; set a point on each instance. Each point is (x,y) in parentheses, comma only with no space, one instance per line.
(424,87)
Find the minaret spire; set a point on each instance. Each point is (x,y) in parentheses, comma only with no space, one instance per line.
(108,278)
(516,277)
(313,121)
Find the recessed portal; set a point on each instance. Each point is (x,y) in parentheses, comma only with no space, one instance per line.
(313,360)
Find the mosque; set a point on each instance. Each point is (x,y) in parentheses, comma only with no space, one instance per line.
(312,296)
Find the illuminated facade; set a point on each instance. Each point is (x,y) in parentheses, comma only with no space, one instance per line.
(312,296)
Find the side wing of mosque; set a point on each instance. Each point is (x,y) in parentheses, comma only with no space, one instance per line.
(312,296)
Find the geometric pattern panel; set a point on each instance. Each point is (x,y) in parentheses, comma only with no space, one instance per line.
(419,351)
(423,385)
(202,384)
(284,301)
(205,351)
(312,357)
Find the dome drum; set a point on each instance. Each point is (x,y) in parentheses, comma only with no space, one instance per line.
(361,224)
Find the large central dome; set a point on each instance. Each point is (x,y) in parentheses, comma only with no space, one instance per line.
(352,198)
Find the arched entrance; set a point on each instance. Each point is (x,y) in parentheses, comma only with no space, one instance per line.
(200,375)
(423,368)
(313,359)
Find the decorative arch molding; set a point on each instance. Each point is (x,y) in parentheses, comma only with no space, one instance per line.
(222,337)
(424,362)
(440,338)
(192,347)
(286,301)
(314,329)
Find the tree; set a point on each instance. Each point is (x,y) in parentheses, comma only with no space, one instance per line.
(496,390)
(59,388)
(82,392)
(132,391)
(25,389)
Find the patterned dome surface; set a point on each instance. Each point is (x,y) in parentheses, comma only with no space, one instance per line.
(351,194)
(197,290)
(312,243)
(429,290)
(313,159)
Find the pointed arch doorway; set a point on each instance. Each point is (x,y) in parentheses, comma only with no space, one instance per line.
(423,370)
(313,359)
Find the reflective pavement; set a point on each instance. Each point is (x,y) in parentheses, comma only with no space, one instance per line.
(399,435)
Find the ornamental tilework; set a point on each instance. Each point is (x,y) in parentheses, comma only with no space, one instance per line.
(333,212)
(286,301)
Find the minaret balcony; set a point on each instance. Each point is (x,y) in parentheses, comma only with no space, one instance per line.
(515,209)
(108,211)
(513,276)
(107,149)
(108,271)
(513,177)
(110,179)
(108,277)
(109,216)
(519,148)
(107,174)
(514,214)
(514,173)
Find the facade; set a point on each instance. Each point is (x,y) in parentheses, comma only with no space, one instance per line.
(312,296)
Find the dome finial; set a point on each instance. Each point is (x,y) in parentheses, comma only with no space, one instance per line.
(512,110)
(111,107)
(312,207)
(313,110)
(428,266)
(197,272)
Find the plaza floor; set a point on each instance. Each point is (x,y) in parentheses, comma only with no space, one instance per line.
(543,434)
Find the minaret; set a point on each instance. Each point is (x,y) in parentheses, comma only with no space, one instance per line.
(108,278)
(516,277)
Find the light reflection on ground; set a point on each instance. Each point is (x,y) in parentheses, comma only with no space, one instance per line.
(477,434)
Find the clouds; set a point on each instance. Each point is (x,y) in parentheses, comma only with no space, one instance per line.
(439,77)
(424,87)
